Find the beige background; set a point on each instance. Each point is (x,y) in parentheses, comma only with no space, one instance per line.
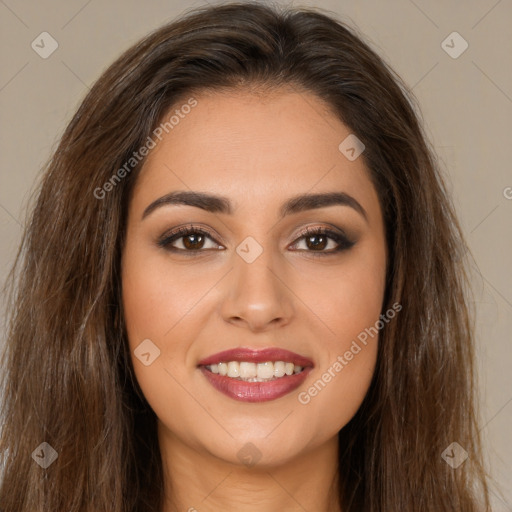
(466,104)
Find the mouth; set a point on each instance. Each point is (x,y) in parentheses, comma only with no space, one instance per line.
(255,375)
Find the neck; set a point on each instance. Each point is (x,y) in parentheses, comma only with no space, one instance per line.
(201,482)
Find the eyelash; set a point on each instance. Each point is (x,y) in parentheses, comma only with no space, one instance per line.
(341,240)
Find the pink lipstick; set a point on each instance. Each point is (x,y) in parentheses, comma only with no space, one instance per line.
(255,375)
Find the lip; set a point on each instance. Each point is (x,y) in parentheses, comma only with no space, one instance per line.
(257,356)
(255,391)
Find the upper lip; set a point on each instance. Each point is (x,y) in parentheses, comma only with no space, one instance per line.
(256,356)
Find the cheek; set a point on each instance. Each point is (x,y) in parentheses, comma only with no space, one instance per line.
(156,297)
(347,299)
(347,359)
(166,304)
(156,304)
(350,306)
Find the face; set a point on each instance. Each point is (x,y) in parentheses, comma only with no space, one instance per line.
(287,285)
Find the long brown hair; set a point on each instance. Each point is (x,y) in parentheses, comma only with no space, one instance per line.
(68,375)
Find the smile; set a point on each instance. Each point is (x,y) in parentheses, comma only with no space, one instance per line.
(255,372)
(255,375)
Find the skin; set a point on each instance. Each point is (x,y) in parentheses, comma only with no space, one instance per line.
(257,151)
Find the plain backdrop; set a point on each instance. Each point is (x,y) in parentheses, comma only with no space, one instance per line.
(466,103)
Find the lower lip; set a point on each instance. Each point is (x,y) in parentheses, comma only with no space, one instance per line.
(255,391)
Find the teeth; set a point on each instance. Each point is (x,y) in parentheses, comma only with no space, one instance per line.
(255,372)
(247,370)
(279,369)
(233,369)
(265,370)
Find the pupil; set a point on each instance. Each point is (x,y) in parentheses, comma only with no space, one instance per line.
(196,239)
(320,241)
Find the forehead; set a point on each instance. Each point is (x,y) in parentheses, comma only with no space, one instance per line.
(242,145)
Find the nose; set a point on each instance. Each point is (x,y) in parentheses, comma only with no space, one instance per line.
(256,295)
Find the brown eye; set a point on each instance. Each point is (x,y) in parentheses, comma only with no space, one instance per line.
(187,239)
(193,241)
(317,240)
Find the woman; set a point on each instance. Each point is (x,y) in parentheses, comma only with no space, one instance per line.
(241,287)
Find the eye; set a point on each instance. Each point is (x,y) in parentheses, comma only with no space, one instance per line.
(190,239)
(316,240)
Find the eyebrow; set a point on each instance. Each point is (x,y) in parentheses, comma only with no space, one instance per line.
(221,204)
